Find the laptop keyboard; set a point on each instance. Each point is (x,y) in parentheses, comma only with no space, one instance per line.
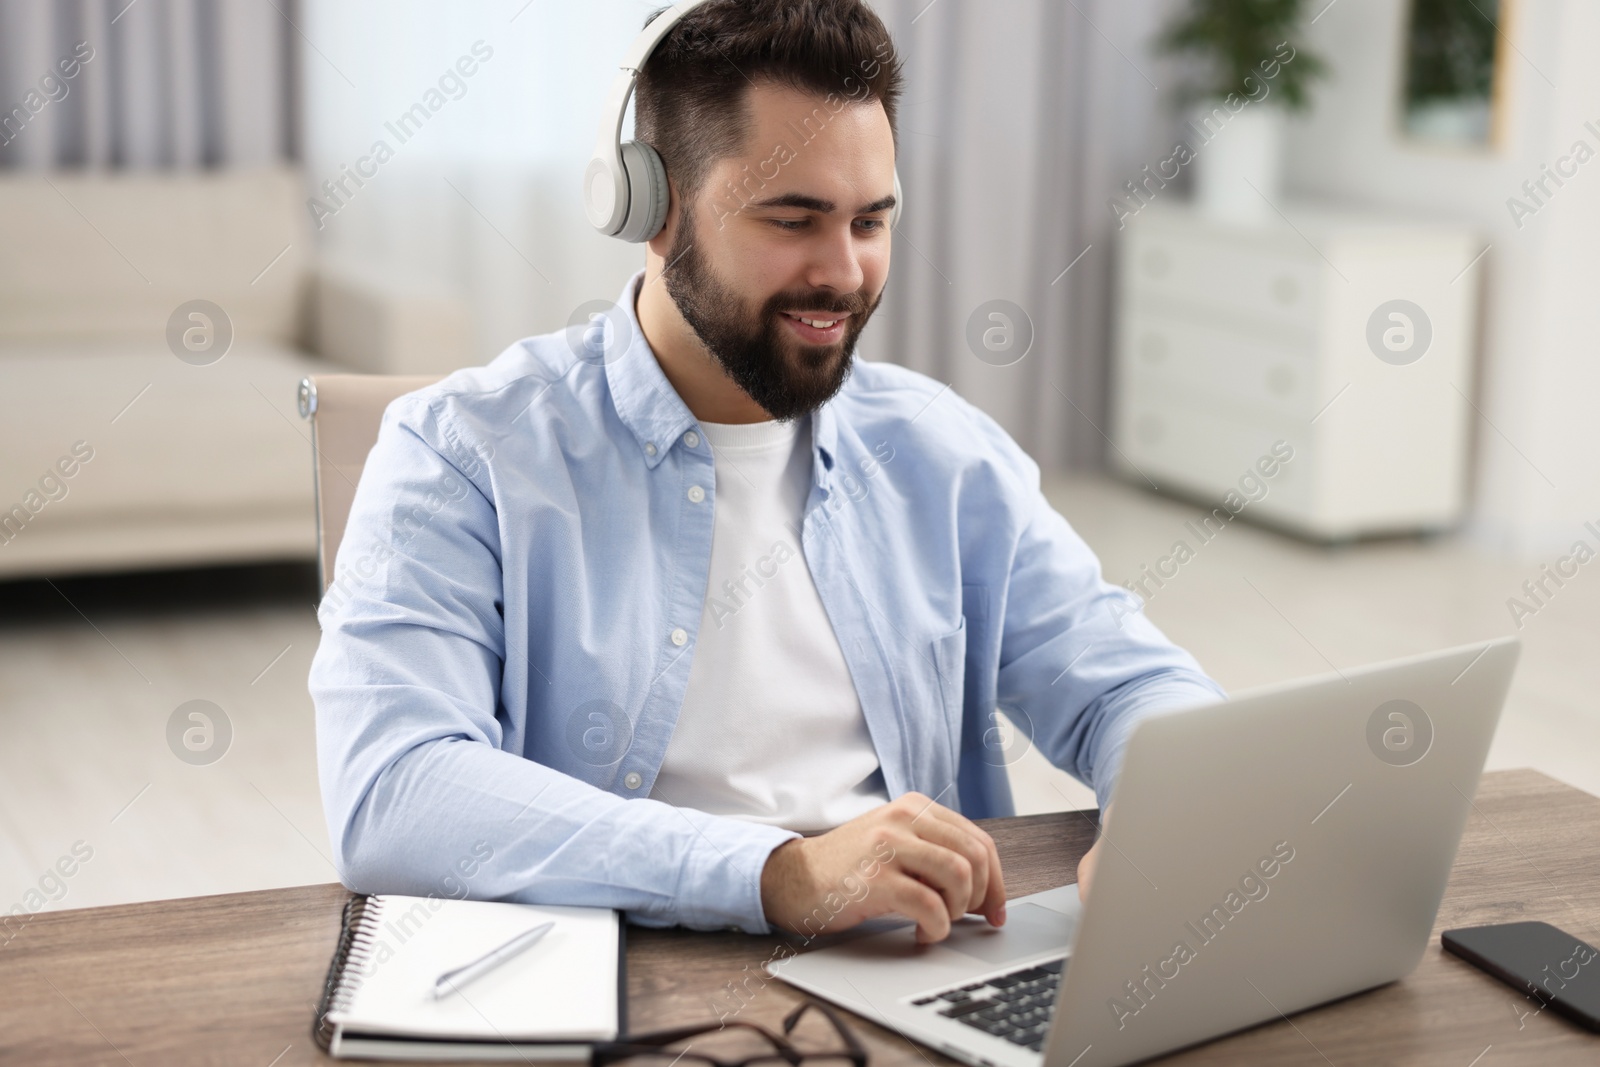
(1016,1006)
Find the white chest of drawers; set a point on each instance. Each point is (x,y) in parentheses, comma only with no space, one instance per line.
(1232,338)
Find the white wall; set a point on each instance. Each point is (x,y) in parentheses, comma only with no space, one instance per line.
(486,198)
(1538,453)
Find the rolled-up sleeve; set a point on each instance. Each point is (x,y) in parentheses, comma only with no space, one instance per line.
(419,794)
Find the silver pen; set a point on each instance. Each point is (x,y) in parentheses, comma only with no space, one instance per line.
(450,981)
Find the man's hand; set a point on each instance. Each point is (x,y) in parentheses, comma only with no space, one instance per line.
(910,856)
(1086,864)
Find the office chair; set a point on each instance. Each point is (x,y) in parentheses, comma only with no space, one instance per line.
(345,411)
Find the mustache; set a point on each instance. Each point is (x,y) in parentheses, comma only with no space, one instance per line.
(853,304)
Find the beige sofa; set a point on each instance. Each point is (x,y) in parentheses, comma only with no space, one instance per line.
(117,454)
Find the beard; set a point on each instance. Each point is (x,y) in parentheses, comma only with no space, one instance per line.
(786,376)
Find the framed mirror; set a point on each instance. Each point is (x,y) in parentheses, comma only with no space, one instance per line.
(1454,83)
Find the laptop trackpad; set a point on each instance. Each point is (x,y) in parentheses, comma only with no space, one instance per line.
(1029,930)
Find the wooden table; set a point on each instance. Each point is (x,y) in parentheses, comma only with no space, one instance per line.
(234,979)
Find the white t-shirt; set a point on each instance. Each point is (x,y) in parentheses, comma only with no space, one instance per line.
(771,728)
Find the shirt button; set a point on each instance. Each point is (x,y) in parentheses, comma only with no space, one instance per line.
(680,636)
(691,439)
(649,448)
(633,781)
(696,494)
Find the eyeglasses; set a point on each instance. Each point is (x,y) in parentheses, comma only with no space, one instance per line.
(655,1049)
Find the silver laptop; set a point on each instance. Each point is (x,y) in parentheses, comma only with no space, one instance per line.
(1264,855)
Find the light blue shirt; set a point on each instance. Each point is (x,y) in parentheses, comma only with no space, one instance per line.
(507,641)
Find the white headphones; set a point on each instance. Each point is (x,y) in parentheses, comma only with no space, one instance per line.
(625,190)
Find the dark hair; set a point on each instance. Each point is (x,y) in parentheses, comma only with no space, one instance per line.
(693,92)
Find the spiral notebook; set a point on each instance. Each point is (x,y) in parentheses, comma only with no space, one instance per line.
(550,1003)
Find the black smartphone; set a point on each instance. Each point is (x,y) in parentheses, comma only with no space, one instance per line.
(1562,971)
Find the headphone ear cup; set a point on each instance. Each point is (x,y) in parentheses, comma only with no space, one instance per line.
(899,201)
(648,192)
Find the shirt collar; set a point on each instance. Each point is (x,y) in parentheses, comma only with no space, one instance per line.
(651,409)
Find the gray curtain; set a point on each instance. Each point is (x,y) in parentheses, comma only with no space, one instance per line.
(1021,119)
(146,83)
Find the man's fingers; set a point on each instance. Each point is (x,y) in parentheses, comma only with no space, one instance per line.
(1086,865)
(1086,869)
(989,888)
(920,904)
(945,870)
(953,837)
(993,904)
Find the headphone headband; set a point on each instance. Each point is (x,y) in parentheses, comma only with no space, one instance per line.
(625,192)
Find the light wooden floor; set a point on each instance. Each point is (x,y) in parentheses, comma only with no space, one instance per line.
(85,698)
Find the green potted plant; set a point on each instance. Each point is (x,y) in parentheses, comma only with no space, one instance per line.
(1252,74)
